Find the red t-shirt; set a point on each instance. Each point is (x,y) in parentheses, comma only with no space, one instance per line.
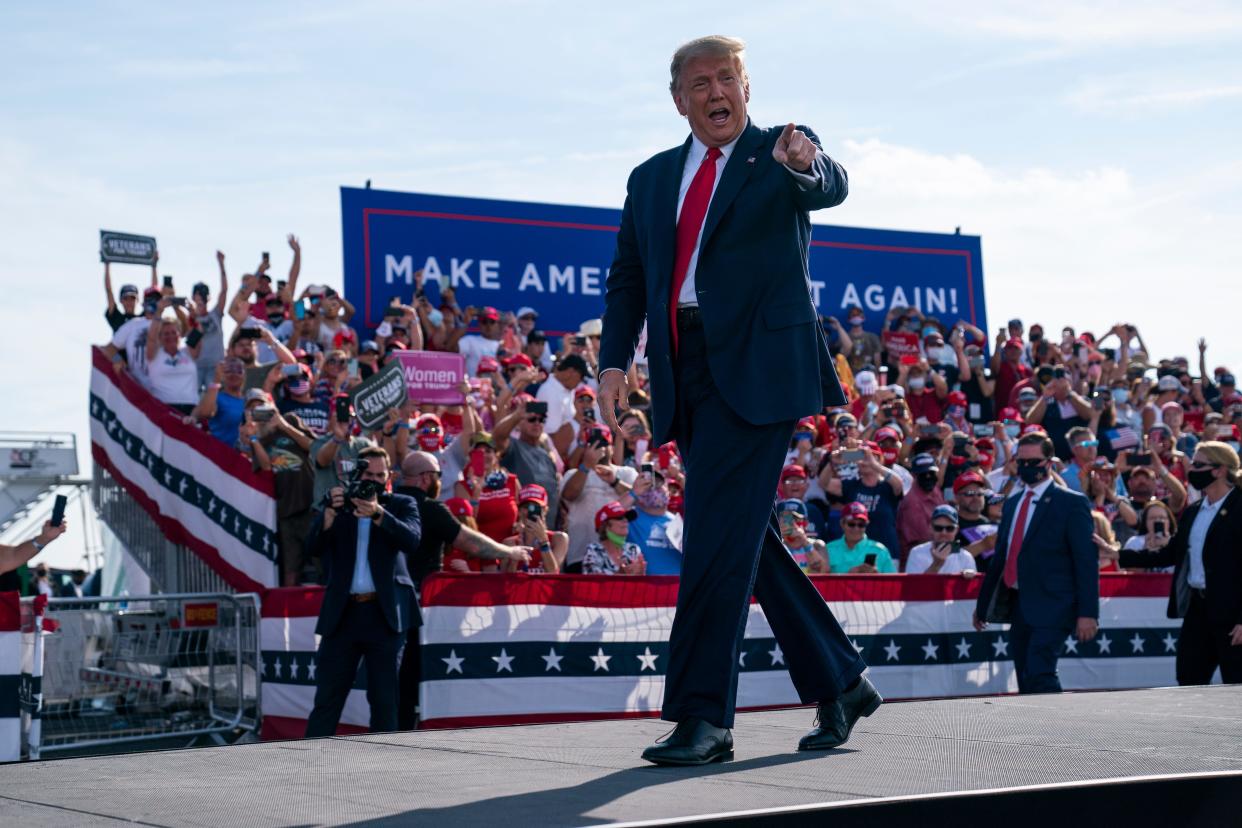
(1007,379)
(926,404)
(497,510)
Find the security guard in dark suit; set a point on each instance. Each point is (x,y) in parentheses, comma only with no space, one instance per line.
(1207,580)
(369,602)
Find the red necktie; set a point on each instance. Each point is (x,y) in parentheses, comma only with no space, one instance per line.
(1015,541)
(689,223)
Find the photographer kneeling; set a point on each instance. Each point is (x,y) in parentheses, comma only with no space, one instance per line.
(362,536)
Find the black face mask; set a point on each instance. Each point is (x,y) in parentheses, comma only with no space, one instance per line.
(927,481)
(1201,478)
(1031,475)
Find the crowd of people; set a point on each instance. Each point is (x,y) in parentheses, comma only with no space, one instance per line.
(910,476)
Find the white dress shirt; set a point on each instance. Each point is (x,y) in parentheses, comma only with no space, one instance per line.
(1197,577)
(694,159)
(362,581)
(1036,493)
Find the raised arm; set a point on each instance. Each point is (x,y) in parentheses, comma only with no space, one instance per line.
(222,295)
(112,299)
(295,269)
(239,308)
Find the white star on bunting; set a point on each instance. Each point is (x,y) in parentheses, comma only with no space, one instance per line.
(504,661)
(963,648)
(1136,643)
(293,668)
(280,668)
(453,662)
(778,657)
(741,659)
(1104,643)
(310,669)
(1170,643)
(892,649)
(857,646)
(646,659)
(601,660)
(1071,644)
(930,650)
(552,661)
(1001,647)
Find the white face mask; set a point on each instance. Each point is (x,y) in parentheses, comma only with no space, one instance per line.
(917,383)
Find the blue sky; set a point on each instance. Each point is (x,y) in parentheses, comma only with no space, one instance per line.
(1092,146)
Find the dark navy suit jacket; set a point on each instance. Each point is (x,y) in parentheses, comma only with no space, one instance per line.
(1058,566)
(766,349)
(398,533)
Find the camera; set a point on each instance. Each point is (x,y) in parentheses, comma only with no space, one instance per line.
(291,370)
(250,333)
(533,511)
(262,414)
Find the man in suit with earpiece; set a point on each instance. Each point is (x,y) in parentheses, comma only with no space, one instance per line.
(1045,577)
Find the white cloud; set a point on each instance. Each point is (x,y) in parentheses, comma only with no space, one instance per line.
(1085,247)
(1111,23)
(1132,93)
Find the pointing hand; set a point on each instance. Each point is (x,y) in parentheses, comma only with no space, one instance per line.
(794,149)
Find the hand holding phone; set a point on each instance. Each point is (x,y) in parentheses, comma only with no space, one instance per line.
(58,510)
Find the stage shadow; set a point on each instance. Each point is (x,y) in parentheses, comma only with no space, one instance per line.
(571,805)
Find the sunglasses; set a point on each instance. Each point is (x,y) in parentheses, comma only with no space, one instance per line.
(970,494)
(856,524)
(334,361)
(948,528)
(429,430)
(1087,444)
(1030,462)
(1203,464)
(535,418)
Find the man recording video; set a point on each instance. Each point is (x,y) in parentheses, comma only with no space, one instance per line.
(368,604)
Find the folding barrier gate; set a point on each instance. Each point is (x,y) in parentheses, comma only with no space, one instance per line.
(158,669)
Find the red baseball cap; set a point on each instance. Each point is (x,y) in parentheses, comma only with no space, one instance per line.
(584,391)
(856,511)
(488,365)
(970,478)
(886,433)
(1013,343)
(518,399)
(533,493)
(1033,428)
(342,336)
(793,470)
(805,424)
(427,419)
(613,511)
(957,398)
(1010,414)
(489,313)
(460,507)
(517,359)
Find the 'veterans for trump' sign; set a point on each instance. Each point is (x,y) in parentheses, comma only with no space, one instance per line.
(555,258)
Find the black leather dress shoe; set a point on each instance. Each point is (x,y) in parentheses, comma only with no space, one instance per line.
(692,742)
(836,719)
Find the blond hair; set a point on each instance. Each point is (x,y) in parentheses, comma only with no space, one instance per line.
(1222,454)
(710,46)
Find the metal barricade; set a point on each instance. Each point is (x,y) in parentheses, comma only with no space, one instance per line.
(160,669)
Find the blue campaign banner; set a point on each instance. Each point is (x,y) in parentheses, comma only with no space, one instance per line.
(555,259)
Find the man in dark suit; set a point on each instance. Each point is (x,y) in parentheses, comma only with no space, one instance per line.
(368,603)
(1044,578)
(1207,579)
(712,255)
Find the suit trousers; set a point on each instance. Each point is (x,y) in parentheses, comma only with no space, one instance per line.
(1202,646)
(731,550)
(1034,651)
(410,675)
(363,633)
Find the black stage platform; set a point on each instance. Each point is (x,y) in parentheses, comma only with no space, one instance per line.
(1038,759)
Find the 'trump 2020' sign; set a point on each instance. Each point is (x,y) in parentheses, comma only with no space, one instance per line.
(555,258)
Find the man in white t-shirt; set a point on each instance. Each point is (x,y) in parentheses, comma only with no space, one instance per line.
(558,392)
(131,339)
(476,346)
(942,554)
